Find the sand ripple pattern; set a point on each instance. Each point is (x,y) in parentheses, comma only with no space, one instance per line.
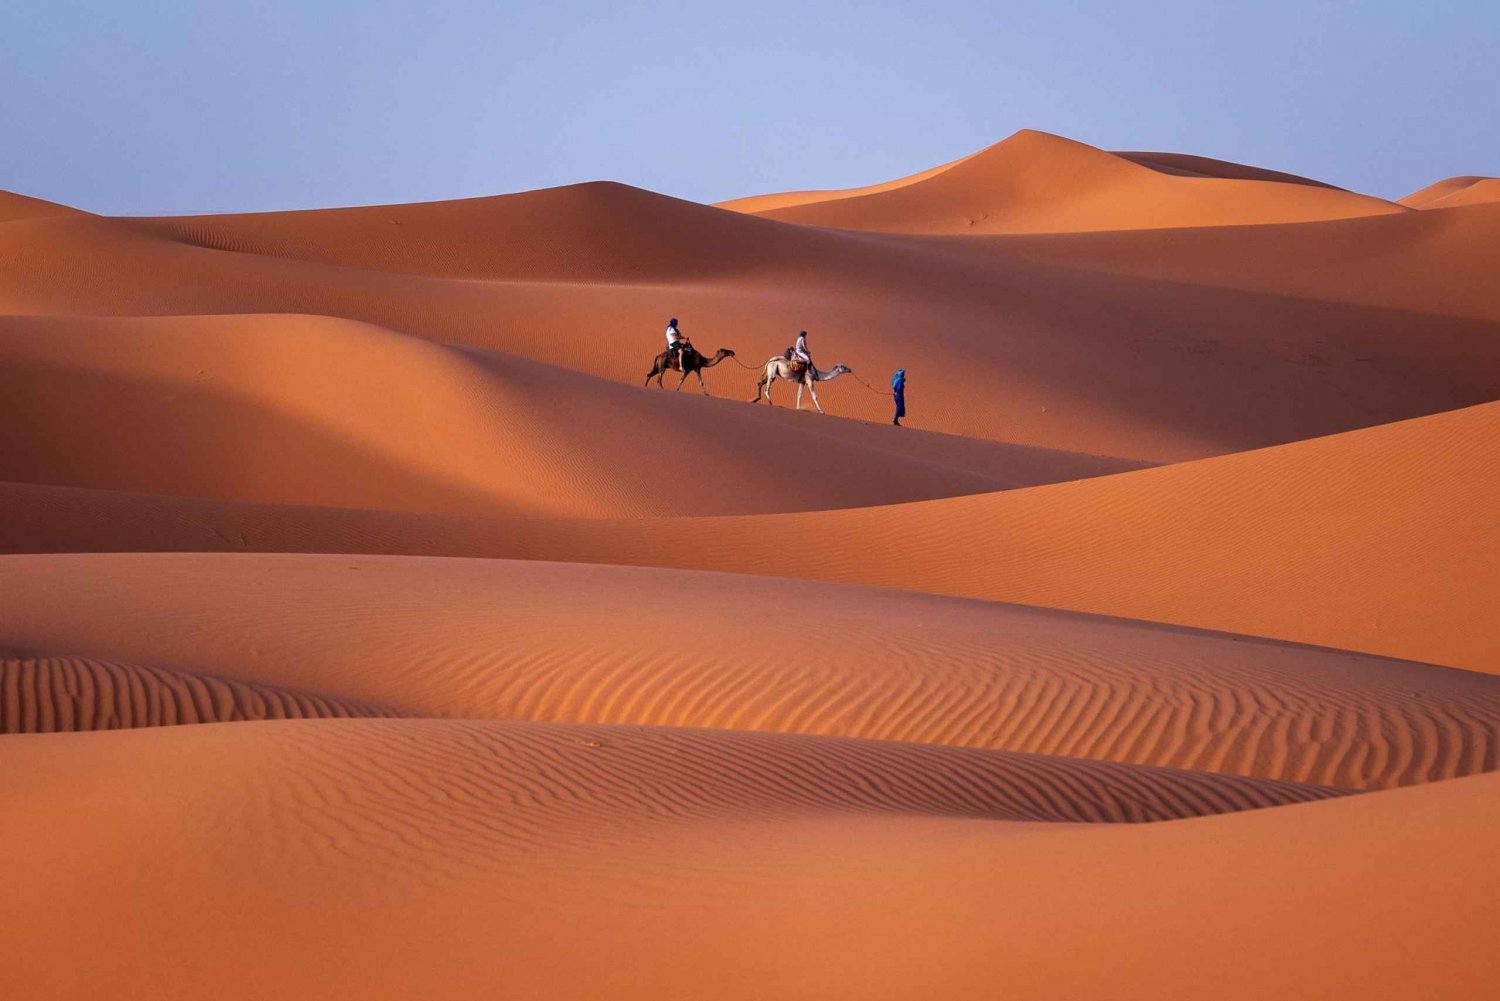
(451,795)
(69,694)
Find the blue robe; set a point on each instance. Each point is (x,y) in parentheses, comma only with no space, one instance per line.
(898,390)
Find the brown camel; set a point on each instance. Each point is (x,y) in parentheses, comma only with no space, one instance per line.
(795,370)
(689,361)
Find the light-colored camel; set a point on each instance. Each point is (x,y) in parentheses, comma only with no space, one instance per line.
(689,362)
(795,371)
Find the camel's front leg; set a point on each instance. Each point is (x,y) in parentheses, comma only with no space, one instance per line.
(799,396)
(701,384)
(813,392)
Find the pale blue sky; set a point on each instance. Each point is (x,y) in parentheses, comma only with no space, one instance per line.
(167,105)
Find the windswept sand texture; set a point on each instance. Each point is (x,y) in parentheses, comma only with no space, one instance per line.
(367,630)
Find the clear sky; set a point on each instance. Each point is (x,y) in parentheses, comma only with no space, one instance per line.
(131,106)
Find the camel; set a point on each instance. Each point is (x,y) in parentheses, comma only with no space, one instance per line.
(796,371)
(689,362)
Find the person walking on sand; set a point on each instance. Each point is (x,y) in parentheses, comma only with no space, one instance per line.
(898,393)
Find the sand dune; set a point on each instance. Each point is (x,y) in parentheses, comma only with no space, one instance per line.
(1125,344)
(71,694)
(439,658)
(250,408)
(1331,542)
(15,206)
(1438,192)
(1186,165)
(622,645)
(352,847)
(1039,183)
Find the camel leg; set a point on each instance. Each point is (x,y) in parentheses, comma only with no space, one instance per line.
(814,394)
(701,384)
(799,395)
(683,379)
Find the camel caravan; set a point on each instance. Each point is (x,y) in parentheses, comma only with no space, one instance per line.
(795,365)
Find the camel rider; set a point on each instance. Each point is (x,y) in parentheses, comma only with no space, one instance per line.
(798,351)
(675,341)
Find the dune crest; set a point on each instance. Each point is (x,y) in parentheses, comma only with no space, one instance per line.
(1034,182)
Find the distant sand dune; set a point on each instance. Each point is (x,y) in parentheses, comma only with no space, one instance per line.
(1147,345)
(1039,183)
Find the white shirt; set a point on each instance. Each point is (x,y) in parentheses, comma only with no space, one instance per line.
(673,335)
(801,348)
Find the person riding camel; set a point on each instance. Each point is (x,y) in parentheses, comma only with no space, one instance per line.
(798,352)
(676,342)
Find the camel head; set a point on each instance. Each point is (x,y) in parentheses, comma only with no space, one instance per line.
(724,353)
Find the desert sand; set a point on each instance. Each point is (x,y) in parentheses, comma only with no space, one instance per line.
(368,629)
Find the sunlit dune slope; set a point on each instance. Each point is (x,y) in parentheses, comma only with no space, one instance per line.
(1438,192)
(756,204)
(1380,540)
(1484,191)
(1034,182)
(538,856)
(1127,344)
(624,645)
(316,410)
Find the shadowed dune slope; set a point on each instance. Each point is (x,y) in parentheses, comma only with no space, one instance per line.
(1039,183)
(1186,165)
(69,694)
(347,847)
(315,410)
(625,645)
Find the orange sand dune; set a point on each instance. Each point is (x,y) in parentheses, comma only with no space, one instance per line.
(16,206)
(757,204)
(1484,191)
(443,859)
(1439,191)
(250,408)
(1332,542)
(66,694)
(624,645)
(1039,183)
(1065,352)
(1186,165)
(510,677)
